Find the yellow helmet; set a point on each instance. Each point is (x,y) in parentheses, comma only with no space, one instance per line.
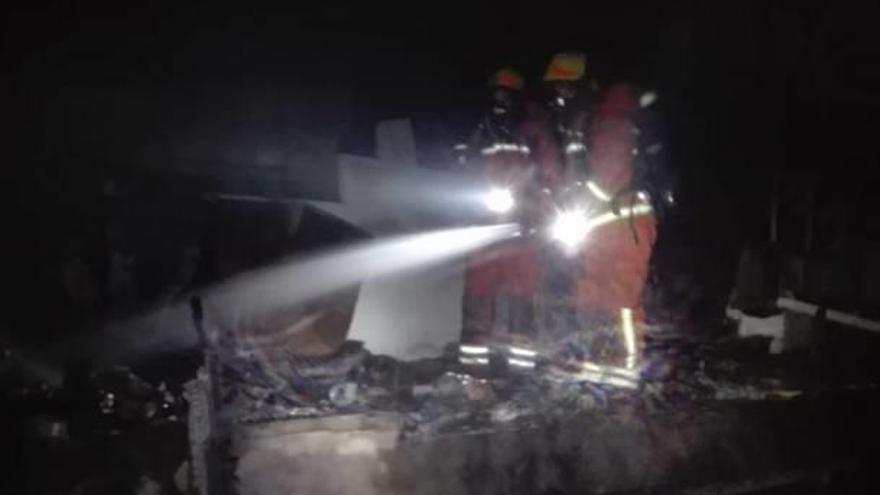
(507,78)
(566,66)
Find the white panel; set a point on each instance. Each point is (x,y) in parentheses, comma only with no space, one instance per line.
(412,315)
(395,143)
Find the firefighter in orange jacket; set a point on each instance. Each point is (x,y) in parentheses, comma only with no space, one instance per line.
(597,133)
(517,151)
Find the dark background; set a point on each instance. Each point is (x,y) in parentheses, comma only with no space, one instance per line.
(752,91)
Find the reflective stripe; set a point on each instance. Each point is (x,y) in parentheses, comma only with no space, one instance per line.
(473,349)
(629,336)
(609,375)
(609,216)
(604,196)
(575,147)
(465,360)
(610,370)
(522,363)
(502,147)
(598,192)
(608,380)
(460,147)
(519,351)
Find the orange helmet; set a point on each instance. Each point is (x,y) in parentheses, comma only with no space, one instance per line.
(507,78)
(566,66)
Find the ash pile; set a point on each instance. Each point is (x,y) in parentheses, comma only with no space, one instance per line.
(444,396)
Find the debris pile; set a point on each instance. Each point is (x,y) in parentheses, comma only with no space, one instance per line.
(102,430)
(440,396)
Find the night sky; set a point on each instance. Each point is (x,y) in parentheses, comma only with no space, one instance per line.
(125,84)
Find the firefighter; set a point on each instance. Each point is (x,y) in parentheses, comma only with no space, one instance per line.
(572,97)
(516,150)
(600,142)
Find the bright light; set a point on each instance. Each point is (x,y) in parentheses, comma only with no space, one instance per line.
(570,228)
(499,200)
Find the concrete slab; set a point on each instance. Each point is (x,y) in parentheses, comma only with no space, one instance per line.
(334,455)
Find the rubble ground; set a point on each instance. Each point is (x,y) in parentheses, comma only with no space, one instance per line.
(703,414)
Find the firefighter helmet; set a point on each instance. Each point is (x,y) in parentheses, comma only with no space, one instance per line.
(507,78)
(566,66)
